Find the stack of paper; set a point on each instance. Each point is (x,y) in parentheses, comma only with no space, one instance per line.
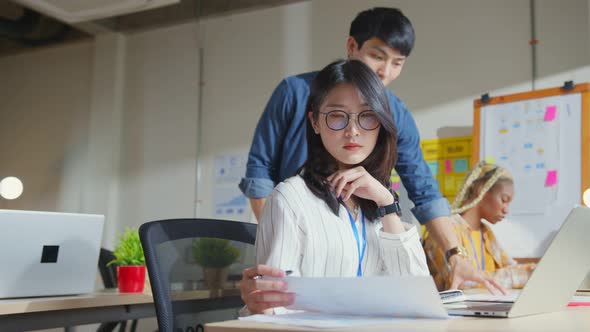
(339,302)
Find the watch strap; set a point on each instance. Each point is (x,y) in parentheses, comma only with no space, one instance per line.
(382,211)
(459,250)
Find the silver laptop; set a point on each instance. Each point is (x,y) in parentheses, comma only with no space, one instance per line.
(555,279)
(48,253)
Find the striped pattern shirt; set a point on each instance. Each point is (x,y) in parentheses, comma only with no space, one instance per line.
(299,232)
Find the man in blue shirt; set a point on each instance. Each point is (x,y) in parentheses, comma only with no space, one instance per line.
(382,38)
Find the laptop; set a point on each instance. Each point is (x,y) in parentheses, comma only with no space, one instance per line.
(555,279)
(48,253)
(585,285)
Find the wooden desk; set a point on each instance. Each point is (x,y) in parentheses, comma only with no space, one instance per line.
(570,319)
(103,306)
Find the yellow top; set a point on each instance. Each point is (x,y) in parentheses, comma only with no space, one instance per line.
(497,261)
(488,263)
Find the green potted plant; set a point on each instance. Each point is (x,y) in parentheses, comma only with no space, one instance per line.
(214,256)
(130,262)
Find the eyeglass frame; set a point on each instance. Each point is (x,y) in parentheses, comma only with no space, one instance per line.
(348,115)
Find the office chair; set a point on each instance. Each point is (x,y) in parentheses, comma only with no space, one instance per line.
(109,279)
(168,249)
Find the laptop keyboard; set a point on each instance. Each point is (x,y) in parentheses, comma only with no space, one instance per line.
(490,307)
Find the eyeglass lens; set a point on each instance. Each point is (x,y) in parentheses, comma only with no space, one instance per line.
(338,120)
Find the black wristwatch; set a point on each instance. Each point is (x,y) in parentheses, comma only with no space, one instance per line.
(382,211)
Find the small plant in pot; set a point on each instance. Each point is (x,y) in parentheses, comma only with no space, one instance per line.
(130,262)
(214,256)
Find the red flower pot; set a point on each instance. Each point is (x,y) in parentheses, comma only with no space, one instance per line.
(130,279)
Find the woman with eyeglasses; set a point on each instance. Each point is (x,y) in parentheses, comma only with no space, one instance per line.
(338,216)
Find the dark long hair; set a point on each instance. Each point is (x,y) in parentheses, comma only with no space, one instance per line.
(320,163)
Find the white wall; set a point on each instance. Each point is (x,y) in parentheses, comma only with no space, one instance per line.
(159,143)
(44,112)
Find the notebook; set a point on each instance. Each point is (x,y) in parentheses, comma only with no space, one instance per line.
(555,280)
(48,253)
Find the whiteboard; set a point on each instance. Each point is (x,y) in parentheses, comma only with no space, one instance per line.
(539,142)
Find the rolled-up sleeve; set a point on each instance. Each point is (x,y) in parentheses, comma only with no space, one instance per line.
(264,156)
(415,174)
(256,187)
(402,253)
(435,208)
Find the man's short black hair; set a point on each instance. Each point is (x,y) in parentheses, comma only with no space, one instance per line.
(388,24)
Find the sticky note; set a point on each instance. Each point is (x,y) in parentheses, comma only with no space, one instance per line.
(490,160)
(448,166)
(551,178)
(550,112)
(450,184)
(395,185)
(433,167)
(460,165)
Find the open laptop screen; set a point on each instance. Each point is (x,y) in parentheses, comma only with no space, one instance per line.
(48,253)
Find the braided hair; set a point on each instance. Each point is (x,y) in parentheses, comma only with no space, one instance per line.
(485,176)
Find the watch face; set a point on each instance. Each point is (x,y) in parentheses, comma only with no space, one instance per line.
(462,251)
(459,250)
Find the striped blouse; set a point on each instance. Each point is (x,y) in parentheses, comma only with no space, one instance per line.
(299,232)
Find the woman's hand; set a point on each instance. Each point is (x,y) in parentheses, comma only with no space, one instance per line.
(259,294)
(357,181)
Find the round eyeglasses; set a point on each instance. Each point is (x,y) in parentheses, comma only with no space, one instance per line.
(338,120)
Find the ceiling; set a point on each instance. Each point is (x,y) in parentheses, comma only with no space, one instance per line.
(23,29)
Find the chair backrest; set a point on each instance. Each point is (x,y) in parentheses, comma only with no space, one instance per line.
(169,247)
(108,273)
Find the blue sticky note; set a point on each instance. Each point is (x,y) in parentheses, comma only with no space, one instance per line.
(433,167)
(461,165)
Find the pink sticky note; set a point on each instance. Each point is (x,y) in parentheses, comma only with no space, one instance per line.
(395,186)
(448,166)
(551,179)
(550,113)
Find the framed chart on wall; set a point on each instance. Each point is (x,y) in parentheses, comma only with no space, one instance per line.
(543,138)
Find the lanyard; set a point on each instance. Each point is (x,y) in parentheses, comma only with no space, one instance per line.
(359,271)
(481,267)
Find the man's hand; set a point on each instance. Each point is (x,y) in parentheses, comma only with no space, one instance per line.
(462,270)
(441,230)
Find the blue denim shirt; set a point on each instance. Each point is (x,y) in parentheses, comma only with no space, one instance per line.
(279,148)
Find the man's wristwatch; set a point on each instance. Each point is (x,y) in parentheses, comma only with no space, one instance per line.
(458,250)
(382,211)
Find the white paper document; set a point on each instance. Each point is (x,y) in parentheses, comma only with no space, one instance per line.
(368,296)
(320,320)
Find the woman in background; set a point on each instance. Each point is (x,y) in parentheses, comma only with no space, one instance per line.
(485,194)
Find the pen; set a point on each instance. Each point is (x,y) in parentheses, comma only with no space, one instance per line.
(287,273)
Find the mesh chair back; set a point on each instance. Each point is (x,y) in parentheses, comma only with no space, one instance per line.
(175,274)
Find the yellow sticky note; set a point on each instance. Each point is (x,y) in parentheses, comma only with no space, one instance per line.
(490,160)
